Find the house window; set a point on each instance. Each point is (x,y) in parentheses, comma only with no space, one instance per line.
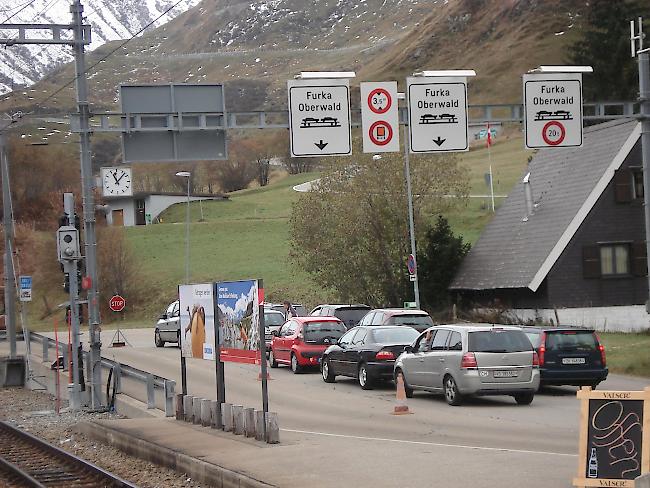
(637,185)
(614,259)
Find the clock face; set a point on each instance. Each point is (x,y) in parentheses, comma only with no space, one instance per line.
(116,182)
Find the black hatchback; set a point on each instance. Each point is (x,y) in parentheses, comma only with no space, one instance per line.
(367,353)
(568,355)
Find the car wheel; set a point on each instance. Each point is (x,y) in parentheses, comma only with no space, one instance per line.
(408,391)
(452,395)
(524,398)
(326,372)
(594,385)
(272,361)
(295,367)
(365,382)
(157,340)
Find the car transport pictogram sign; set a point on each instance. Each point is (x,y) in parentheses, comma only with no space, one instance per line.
(379,117)
(553,106)
(437,114)
(319,117)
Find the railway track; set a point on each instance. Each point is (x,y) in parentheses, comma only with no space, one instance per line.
(27,461)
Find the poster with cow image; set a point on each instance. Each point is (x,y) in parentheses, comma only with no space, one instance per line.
(197,320)
(238,317)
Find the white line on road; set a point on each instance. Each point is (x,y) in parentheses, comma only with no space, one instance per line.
(436,444)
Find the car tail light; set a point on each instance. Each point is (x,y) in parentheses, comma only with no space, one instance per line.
(535,359)
(542,350)
(469,361)
(384,356)
(601,348)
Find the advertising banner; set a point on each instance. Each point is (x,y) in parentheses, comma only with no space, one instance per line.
(238,318)
(197,320)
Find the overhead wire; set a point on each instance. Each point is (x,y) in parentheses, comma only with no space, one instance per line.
(18,11)
(45,9)
(110,53)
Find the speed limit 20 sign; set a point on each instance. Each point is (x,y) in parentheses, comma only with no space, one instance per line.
(379,117)
(553,106)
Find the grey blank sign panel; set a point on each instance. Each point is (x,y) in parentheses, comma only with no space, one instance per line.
(163,137)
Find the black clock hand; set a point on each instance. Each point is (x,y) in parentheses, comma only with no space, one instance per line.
(115,177)
(120,178)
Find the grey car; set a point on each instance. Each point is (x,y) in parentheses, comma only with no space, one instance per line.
(472,359)
(168,325)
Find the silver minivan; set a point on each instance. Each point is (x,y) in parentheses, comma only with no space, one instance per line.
(471,359)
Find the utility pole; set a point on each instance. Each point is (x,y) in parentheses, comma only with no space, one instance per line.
(409,196)
(7,222)
(82,37)
(644,117)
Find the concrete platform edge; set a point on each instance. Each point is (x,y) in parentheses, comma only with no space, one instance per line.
(202,471)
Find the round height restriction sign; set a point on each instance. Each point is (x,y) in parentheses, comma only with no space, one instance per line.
(553,133)
(380,133)
(379,101)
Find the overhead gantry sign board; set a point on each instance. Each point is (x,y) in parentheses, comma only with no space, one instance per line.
(319,117)
(553,106)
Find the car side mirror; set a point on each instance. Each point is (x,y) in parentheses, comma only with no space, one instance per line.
(164,316)
(408,349)
(275,333)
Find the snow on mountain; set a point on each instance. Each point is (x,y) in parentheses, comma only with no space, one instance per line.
(109,19)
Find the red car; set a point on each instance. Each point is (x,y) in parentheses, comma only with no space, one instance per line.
(302,340)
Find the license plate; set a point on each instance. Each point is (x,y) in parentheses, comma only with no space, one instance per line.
(573,361)
(506,374)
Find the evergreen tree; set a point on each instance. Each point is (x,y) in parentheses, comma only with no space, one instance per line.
(438,262)
(605,45)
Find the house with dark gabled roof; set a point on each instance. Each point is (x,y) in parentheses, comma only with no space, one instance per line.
(568,243)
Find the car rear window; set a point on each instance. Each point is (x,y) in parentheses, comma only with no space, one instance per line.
(535,338)
(317,331)
(570,341)
(273,319)
(498,340)
(350,316)
(401,335)
(413,320)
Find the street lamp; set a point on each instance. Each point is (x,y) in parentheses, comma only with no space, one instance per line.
(187,174)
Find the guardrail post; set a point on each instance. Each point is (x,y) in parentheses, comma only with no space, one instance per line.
(196,410)
(238,419)
(180,412)
(187,407)
(170,386)
(249,422)
(227,417)
(46,350)
(259,425)
(272,428)
(215,415)
(151,398)
(205,413)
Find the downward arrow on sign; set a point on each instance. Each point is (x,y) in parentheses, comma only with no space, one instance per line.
(439,141)
(321,145)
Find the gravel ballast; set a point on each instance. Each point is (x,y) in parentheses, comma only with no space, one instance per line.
(34,412)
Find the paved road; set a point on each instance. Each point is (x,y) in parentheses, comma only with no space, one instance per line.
(486,441)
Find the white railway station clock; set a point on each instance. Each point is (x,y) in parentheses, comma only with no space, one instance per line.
(117,182)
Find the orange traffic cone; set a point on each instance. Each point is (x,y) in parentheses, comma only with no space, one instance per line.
(401,408)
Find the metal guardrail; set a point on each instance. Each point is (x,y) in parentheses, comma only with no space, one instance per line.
(149,380)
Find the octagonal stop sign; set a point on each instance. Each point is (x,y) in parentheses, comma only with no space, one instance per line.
(117,303)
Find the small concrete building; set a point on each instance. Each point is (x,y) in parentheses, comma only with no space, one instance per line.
(144,208)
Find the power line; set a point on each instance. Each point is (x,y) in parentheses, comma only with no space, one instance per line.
(17,12)
(45,9)
(52,95)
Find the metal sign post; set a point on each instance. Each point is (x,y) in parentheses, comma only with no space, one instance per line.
(7,220)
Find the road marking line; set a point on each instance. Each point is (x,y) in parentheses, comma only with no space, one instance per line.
(435,444)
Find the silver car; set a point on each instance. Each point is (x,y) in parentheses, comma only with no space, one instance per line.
(168,325)
(472,359)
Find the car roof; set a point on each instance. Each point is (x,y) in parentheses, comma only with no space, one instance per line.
(400,311)
(560,328)
(475,327)
(316,318)
(344,305)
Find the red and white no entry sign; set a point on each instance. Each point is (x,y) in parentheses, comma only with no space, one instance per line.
(553,133)
(379,101)
(380,133)
(117,303)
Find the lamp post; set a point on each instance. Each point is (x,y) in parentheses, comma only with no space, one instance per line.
(187,174)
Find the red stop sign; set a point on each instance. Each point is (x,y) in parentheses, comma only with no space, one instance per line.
(117,303)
